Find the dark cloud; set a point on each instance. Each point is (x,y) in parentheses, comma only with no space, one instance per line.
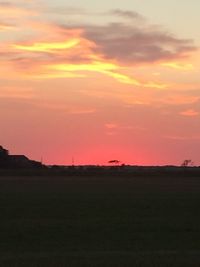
(127,14)
(129,43)
(133,44)
(133,41)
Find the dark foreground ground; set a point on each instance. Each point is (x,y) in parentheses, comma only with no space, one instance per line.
(99,221)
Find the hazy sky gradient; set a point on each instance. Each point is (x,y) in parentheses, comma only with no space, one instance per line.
(100,80)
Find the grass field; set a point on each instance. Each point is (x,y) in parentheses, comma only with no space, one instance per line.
(99,221)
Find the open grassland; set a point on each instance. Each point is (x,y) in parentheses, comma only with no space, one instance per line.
(99,221)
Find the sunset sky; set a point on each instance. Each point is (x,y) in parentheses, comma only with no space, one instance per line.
(100,80)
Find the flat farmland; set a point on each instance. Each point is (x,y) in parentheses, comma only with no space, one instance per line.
(99,221)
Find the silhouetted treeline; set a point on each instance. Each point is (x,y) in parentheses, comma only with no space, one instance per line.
(23,166)
(103,171)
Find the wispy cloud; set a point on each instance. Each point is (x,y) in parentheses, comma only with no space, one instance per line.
(17,93)
(127,14)
(6,26)
(79,111)
(178,65)
(181,99)
(48,47)
(69,109)
(77,54)
(182,138)
(189,113)
(81,49)
(69,10)
(111,125)
(10,10)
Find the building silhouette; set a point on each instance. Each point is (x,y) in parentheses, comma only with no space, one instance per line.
(16,161)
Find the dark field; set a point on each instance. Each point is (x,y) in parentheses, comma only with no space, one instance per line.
(99,221)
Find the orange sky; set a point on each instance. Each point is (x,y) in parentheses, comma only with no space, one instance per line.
(98,84)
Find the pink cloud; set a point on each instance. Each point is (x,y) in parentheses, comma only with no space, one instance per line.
(189,113)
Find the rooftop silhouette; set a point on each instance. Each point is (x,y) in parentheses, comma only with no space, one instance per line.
(16,161)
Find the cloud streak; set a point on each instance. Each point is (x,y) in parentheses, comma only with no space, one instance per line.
(189,113)
(127,14)
(6,27)
(80,49)
(133,45)
(9,10)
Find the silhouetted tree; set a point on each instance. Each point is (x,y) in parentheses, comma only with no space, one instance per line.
(187,162)
(114,161)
